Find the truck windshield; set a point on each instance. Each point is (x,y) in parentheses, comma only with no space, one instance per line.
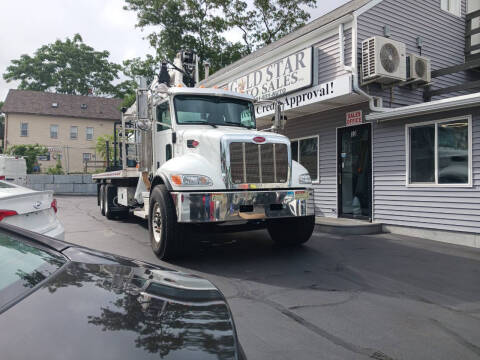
(214,110)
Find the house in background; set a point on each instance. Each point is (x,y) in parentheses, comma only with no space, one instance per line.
(68,125)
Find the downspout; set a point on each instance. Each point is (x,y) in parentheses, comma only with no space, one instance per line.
(354,68)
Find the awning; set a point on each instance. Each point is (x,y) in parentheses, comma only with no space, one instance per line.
(432,107)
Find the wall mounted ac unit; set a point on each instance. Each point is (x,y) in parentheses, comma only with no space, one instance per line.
(383,61)
(418,69)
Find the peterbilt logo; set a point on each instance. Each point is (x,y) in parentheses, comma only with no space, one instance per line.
(37,205)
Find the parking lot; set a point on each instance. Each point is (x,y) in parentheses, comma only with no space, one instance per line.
(354,297)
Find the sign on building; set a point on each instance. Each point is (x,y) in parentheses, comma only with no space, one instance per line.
(281,77)
(354,118)
(322,92)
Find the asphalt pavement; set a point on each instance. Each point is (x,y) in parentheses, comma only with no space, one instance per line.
(338,297)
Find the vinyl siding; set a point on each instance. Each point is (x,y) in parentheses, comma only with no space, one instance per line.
(455,209)
(443,42)
(324,125)
(329,66)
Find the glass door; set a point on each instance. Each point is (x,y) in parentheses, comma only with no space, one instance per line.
(355,172)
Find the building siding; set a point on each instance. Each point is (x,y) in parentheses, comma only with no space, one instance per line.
(324,125)
(328,50)
(443,42)
(454,209)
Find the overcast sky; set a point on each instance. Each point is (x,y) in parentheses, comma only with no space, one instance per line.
(103,24)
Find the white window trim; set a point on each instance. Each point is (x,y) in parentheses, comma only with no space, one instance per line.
(436,184)
(86,133)
(71,128)
(450,11)
(51,137)
(21,130)
(317,181)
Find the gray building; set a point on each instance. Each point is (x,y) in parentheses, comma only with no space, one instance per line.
(381,105)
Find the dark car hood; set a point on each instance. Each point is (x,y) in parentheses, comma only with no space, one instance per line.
(112,311)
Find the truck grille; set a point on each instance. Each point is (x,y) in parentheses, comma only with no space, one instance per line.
(256,164)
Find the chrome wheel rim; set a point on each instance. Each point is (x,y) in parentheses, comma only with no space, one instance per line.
(101,200)
(157,224)
(106,205)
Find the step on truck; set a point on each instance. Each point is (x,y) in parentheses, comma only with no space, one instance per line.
(191,159)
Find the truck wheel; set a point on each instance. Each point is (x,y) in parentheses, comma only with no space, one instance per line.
(102,199)
(112,209)
(166,234)
(292,231)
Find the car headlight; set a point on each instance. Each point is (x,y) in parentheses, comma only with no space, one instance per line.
(305,179)
(191,180)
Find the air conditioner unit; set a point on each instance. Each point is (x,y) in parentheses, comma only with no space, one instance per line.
(383,61)
(418,69)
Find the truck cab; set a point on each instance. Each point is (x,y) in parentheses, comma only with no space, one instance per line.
(202,164)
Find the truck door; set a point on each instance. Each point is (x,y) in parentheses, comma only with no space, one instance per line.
(163,135)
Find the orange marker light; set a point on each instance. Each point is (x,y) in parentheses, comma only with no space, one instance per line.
(177,180)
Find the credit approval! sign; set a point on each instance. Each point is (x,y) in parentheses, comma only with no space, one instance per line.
(281,77)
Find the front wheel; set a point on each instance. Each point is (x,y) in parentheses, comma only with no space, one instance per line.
(166,234)
(291,231)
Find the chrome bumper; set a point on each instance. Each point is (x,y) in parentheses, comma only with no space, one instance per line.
(203,207)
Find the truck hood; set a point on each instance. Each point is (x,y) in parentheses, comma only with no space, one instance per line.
(209,139)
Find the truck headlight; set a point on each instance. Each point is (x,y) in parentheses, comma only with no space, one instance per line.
(305,179)
(191,180)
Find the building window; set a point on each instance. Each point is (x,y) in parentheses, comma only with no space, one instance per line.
(87,156)
(305,151)
(89,133)
(452,6)
(54,131)
(24,129)
(74,132)
(440,152)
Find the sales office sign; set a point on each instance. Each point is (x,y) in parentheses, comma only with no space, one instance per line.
(283,76)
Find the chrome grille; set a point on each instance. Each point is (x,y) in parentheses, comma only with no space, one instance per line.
(258,163)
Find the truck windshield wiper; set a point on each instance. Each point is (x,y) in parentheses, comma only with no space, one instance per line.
(232,123)
(199,123)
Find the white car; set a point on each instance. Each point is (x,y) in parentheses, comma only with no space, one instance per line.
(30,209)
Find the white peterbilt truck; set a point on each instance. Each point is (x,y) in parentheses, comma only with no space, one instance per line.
(190,159)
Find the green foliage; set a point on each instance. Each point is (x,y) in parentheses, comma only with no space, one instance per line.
(69,67)
(267,20)
(29,152)
(132,68)
(191,24)
(101,146)
(57,170)
(203,25)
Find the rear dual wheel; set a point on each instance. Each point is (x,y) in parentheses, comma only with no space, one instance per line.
(109,205)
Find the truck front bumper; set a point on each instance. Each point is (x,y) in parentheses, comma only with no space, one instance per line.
(201,207)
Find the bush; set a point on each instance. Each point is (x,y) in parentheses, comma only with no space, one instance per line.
(57,170)
(29,152)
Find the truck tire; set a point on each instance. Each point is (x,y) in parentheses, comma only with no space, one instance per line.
(166,234)
(102,199)
(291,231)
(111,207)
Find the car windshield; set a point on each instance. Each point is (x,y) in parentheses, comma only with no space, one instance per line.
(23,266)
(214,110)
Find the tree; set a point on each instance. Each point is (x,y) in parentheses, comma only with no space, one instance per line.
(68,67)
(29,152)
(2,123)
(202,25)
(101,147)
(57,169)
(267,20)
(190,24)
